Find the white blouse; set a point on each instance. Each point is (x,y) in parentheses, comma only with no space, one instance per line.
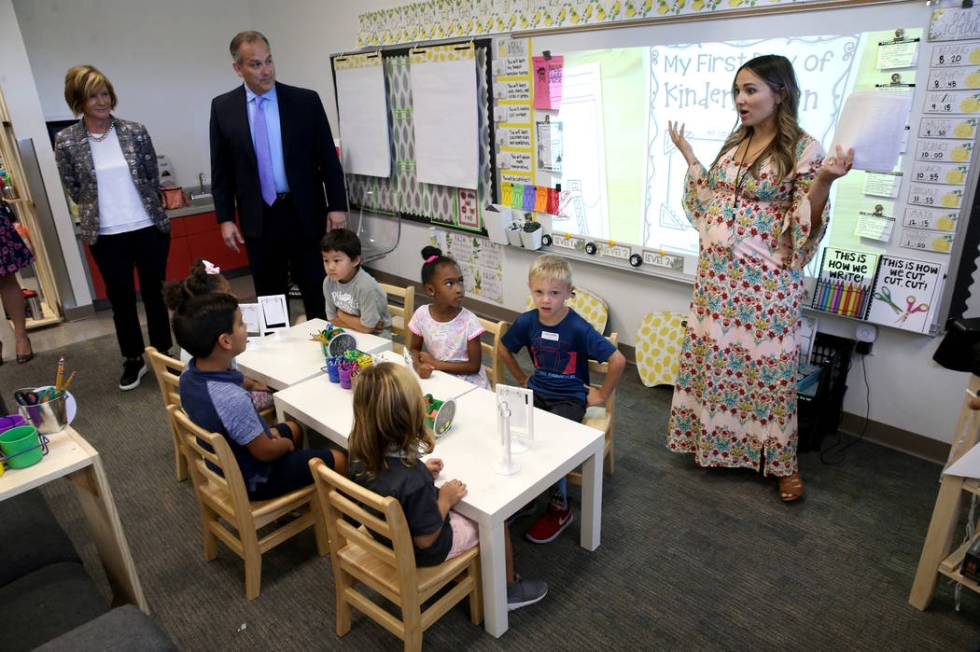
(120,207)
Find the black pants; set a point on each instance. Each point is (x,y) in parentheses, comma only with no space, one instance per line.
(289,473)
(284,247)
(117,255)
(563,407)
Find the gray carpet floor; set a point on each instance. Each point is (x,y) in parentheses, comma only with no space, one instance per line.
(690,559)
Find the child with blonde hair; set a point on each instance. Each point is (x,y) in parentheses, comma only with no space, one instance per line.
(561,343)
(385,445)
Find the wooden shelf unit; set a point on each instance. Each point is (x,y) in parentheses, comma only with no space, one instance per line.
(27,214)
(938,557)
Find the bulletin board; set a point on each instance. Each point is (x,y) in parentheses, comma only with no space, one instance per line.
(400,193)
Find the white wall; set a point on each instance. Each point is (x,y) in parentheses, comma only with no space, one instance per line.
(168,60)
(17,82)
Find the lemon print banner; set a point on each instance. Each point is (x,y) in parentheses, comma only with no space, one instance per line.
(934,219)
(444,19)
(658,347)
(962,128)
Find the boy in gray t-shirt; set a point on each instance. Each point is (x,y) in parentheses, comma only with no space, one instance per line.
(354,300)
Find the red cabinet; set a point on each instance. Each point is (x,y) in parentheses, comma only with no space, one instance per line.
(191,237)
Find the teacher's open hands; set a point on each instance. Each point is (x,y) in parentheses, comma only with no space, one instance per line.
(836,166)
(676,131)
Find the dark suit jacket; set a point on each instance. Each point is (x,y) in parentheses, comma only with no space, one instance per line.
(309,156)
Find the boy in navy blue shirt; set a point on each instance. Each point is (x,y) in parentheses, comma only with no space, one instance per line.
(560,343)
(211,329)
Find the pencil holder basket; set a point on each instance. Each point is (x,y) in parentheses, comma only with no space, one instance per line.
(48,417)
(21,447)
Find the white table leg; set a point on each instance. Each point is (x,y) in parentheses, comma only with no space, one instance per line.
(493,567)
(591,530)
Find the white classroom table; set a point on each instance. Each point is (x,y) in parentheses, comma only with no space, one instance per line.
(287,357)
(467,451)
(70,456)
(329,409)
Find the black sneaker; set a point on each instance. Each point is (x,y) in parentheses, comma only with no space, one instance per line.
(133,370)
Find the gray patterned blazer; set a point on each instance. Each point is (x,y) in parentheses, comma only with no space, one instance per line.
(77,170)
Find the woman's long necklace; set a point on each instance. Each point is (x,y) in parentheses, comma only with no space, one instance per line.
(103,135)
(742,171)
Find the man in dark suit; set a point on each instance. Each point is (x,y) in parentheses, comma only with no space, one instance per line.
(273,157)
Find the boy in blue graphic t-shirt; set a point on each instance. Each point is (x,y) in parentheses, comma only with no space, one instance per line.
(560,343)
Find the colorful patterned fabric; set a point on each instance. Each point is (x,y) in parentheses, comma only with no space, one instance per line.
(735,395)
(74,157)
(14,254)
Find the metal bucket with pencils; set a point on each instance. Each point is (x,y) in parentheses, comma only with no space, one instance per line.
(49,414)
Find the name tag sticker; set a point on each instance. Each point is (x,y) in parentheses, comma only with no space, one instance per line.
(549,336)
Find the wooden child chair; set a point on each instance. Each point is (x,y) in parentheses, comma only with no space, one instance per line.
(167,371)
(400,315)
(601,417)
(221,498)
(589,305)
(357,557)
(491,352)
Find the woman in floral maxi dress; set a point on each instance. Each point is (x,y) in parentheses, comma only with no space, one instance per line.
(760,211)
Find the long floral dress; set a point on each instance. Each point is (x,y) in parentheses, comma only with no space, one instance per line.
(735,395)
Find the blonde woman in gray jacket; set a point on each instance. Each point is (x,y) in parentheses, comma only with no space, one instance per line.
(109,168)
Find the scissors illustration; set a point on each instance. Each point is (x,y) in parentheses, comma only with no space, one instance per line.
(886,296)
(911,309)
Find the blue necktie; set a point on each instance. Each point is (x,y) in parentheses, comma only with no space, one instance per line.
(263,155)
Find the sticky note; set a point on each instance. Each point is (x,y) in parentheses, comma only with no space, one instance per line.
(541,200)
(530,193)
(506,193)
(552,201)
(517,198)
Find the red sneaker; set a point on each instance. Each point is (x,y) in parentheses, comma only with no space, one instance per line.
(549,525)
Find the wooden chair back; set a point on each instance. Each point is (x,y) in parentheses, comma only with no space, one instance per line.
(352,513)
(602,418)
(491,351)
(400,315)
(223,502)
(167,371)
(589,305)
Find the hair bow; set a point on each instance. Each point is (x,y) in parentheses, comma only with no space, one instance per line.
(210,268)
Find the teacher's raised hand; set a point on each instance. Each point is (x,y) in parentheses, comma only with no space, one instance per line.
(676,131)
(836,166)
